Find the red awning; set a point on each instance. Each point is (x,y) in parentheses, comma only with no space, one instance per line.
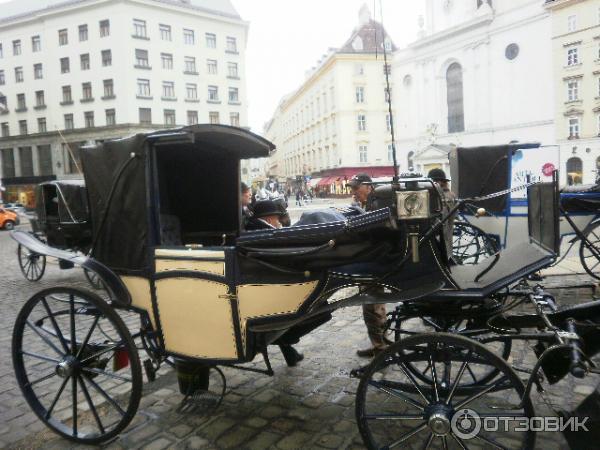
(325,181)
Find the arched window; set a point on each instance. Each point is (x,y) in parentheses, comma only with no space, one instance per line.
(410,163)
(454,89)
(574,171)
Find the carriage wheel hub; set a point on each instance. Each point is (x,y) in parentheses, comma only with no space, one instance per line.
(438,419)
(66,367)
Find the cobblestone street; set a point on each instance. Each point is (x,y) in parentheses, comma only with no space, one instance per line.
(308,406)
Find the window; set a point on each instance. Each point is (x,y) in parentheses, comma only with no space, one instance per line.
(21,104)
(39,98)
(139,28)
(232,69)
(571,23)
(141,58)
(83,33)
(63,37)
(64,65)
(362,153)
(211,40)
(168,89)
(190,64)
(390,152)
(17,47)
(66,92)
(231,44)
(22,127)
(5,129)
(572,56)
(213,94)
(8,162)
(165,32)
(38,73)
(42,125)
(234,119)
(106,58)
(360,94)
(26,157)
(234,95)
(88,117)
(109,90)
(36,44)
(192,117)
(145,116)
(359,69)
(213,117)
(454,98)
(2,78)
(143,87)
(166,61)
(104,28)
(572,90)
(362,122)
(19,74)
(110,117)
(211,66)
(86,89)
(44,157)
(188,37)
(388,45)
(169,117)
(191,91)
(85,61)
(574,171)
(574,128)
(69,122)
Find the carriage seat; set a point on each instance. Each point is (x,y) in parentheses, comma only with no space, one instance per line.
(513,264)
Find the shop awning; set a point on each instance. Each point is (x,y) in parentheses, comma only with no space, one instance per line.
(314,181)
(325,181)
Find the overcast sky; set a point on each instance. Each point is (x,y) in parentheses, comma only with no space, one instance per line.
(287,37)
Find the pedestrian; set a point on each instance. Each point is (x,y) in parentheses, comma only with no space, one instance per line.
(374,315)
(246,200)
(298,197)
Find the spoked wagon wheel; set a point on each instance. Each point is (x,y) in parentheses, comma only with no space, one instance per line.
(33,265)
(76,364)
(589,252)
(396,410)
(470,244)
(473,328)
(93,279)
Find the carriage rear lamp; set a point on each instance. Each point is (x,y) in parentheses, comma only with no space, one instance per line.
(412,204)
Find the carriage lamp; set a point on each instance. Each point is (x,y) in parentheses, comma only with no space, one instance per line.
(412,204)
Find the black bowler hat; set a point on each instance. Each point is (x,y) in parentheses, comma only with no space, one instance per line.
(437,175)
(358,179)
(266,208)
(245,187)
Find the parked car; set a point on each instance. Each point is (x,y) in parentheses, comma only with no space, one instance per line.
(8,219)
(18,208)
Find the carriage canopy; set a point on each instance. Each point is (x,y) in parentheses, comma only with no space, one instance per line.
(61,201)
(185,179)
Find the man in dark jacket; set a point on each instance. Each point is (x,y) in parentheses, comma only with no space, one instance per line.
(266,215)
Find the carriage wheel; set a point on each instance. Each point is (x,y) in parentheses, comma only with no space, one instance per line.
(94,279)
(33,265)
(76,364)
(587,255)
(394,409)
(473,328)
(470,244)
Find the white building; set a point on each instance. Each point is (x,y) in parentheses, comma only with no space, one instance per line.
(79,71)
(336,123)
(480,73)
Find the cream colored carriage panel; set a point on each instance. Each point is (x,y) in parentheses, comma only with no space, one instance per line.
(214,267)
(196,318)
(139,289)
(265,300)
(189,253)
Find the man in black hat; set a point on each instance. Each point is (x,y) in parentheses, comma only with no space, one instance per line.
(266,215)
(439,177)
(246,200)
(374,315)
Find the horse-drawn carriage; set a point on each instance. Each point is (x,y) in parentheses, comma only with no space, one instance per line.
(168,244)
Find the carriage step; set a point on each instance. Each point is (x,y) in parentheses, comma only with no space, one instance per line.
(150,370)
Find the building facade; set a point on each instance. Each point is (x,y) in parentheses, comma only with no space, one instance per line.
(77,72)
(576,50)
(336,123)
(480,73)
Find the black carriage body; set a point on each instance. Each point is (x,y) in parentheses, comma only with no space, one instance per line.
(62,215)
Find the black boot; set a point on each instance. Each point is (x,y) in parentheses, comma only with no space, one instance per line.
(291,355)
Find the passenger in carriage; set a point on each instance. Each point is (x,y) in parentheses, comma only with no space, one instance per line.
(267,215)
(246,204)
(375,315)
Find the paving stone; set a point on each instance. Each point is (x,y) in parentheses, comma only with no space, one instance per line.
(158,444)
(256,422)
(142,433)
(181,430)
(217,427)
(235,437)
(266,439)
(269,412)
(330,440)
(195,443)
(296,440)
(584,389)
